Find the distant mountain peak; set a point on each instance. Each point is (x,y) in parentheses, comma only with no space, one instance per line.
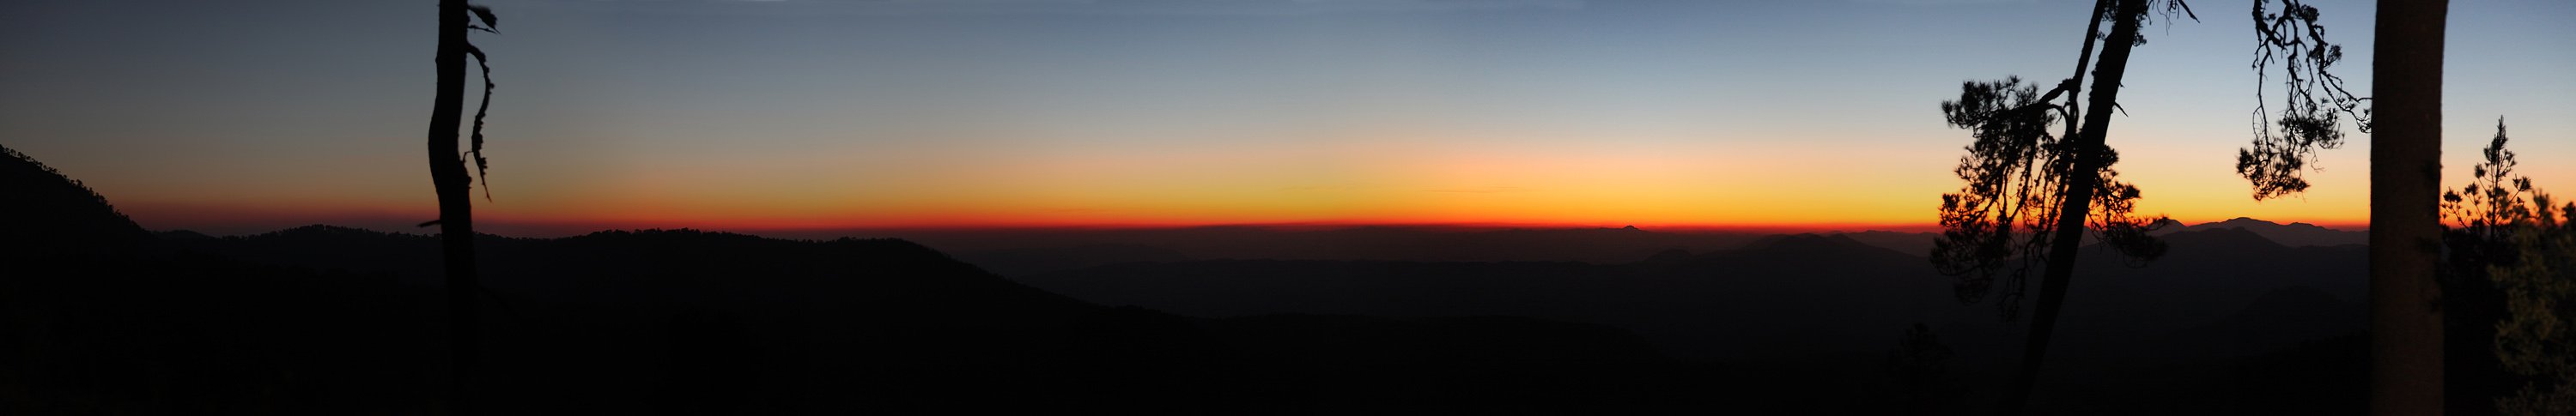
(2254,222)
(2243,221)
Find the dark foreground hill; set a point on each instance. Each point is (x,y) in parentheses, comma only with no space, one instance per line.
(96,317)
(2220,296)
(101,317)
(887,325)
(1806,291)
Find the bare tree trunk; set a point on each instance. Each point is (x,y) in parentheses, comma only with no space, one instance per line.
(2091,35)
(2405,208)
(2078,202)
(455,202)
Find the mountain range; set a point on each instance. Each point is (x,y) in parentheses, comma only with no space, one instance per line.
(2296,234)
(2221,294)
(1019,253)
(104,317)
(1822,291)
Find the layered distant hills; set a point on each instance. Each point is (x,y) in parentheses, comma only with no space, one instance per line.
(2220,294)
(104,317)
(1799,293)
(2293,234)
(1028,252)
(2296,234)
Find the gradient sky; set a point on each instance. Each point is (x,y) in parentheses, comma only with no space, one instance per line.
(745,115)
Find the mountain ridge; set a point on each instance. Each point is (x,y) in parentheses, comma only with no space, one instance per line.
(337,320)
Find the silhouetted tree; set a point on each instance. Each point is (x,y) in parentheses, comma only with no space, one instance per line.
(2406,150)
(447,173)
(2405,168)
(2497,199)
(2028,190)
(2509,237)
(2313,100)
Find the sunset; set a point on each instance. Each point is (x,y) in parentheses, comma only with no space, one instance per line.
(739,115)
(1639,180)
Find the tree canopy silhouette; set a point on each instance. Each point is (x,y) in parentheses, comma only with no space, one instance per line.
(2313,100)
(2509,240)
(1998,227)
(2405,123)
(2027,190)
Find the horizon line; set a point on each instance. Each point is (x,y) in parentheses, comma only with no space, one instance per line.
(543,229)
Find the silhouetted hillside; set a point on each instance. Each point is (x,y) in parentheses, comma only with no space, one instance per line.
(1018,253)
(2293,234)
(658,317)
(691,322)
(1469,365)
(1779,298)
(670,266)
(1785,295)
(97,317)
(858,315)
(1028,261)
(1916,244)
(2207,276)
(50,216)
(103,317)
(1790,296)
(2277,320)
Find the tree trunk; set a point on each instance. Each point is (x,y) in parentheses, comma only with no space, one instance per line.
(2078,198)
(2074,110)
(2405,208)
(455,202)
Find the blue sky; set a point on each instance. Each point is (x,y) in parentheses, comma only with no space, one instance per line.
(924,112)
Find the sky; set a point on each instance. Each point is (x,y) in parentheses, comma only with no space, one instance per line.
(800,114)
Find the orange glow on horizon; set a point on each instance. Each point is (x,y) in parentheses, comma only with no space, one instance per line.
(1399,177)
(243,220)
